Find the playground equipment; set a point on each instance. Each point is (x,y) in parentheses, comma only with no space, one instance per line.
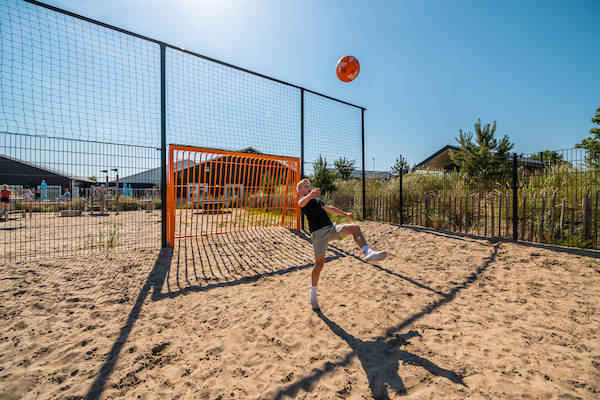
(127,192)
(44,190)
(98,198)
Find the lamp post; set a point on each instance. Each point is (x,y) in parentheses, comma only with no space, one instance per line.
(104,192)
(105,171)
(116,170)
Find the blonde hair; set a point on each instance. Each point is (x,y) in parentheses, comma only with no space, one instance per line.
(5,186)
(300,183)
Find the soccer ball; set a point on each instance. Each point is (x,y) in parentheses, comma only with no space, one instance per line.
(347,68)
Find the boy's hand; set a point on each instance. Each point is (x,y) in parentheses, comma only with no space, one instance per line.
(350,215)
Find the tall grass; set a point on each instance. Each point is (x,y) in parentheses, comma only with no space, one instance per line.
(455,201)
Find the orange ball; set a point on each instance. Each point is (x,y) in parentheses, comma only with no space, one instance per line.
(347,68)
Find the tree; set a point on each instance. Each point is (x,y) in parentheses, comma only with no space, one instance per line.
(486,158)
(549,157)
(592,143)
(401,166)
(344,167)
(322,177)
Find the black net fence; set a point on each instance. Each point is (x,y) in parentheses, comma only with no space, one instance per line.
(86,118)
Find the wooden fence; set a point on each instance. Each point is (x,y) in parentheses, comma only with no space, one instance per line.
(544,217)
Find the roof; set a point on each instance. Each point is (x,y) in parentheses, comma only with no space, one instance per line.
(153,175)
(49,170)
(439,159)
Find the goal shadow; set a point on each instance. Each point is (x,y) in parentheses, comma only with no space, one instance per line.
(207,262)
(201,264)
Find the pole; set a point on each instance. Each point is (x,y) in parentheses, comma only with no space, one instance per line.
(515,216)
(117,192)
(401,202)
(362,120)
(163,149)
(302,147)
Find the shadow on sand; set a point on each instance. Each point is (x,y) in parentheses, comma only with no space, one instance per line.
(235,259)
(380,357)
(477,239)
(238,258)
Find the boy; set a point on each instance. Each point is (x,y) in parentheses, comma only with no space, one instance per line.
(5,200)
(322,231)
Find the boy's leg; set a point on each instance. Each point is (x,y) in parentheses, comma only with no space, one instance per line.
(316,272)
(354,229)
(359,238)
(319,262)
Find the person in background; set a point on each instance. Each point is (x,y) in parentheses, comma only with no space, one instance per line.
(29,196)
(38,194)
(67,195)
(5,200)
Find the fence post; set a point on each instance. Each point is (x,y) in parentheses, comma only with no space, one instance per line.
(515,211)
(586,211)
(595,221)
(301,148)
(532,227)
(542,215)
(362,121)
(492,227)
(574,204)
(401,200)
(552,217)
(163,148)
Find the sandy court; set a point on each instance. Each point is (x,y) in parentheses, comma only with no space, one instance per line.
(227,317)
(39,235)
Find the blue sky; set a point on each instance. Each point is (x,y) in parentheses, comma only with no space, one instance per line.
(428,68)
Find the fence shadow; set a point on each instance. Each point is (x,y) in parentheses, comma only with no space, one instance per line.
(467,237)
(378,374)
(464,236)
(237,256)
(568,250)
(154,282)
(333,247)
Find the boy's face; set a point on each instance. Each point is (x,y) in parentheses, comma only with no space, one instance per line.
(304,189)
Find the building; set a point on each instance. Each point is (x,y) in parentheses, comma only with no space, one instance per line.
(441,161)
(151,178)
(20,175)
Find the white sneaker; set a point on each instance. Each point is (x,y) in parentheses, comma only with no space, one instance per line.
(376,255)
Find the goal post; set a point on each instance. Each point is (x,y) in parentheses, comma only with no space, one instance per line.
(212,191)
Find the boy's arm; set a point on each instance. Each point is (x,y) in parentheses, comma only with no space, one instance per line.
(337,211)
(305,199)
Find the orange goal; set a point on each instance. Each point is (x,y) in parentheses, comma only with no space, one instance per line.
(216,191)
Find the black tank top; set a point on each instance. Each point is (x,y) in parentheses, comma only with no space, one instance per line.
(316,215)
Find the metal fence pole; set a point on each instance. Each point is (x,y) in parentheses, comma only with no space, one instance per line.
(401,202)
(515,211)
(302,147)
(163,148)
(362,121)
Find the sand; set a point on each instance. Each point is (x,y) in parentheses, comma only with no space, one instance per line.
(227,317)
(39,235)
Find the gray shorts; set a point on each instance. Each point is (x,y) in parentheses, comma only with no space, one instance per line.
(323,236)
